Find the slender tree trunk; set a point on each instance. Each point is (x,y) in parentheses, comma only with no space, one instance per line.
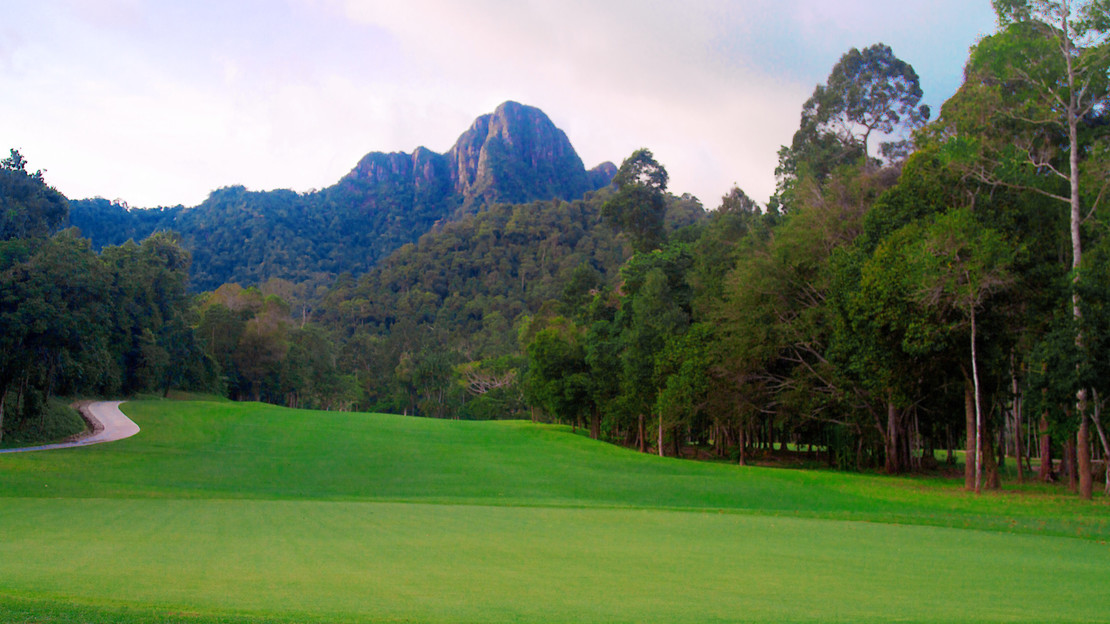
(893,465)
(991,478)
(978,409)
(3,395)
(660,433)
(1069,465)
(969,446)
(1015,408)
(1001,442)
(1045,443)
(1083,440)
(916,460)
(1083,457)
(741,457)
(640,435)
(1096,418)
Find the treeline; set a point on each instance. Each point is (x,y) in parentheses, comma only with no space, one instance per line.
(249,237)
(76,323)
(73,322)
(890,303)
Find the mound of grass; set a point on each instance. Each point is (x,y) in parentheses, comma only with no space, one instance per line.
(57,422)
(227,512)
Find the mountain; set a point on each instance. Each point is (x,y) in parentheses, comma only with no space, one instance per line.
(513,155)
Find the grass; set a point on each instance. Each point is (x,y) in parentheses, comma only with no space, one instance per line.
(58,421)
(224,512)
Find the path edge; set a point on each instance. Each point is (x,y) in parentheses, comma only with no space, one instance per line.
(92,425)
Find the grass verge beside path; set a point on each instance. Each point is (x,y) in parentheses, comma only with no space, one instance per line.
(224,512)
(58,422)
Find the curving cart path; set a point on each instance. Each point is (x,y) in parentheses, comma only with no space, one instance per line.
(107,422)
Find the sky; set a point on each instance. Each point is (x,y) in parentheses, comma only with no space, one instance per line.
(159,102)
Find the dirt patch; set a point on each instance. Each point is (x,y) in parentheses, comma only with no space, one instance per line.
(92,425)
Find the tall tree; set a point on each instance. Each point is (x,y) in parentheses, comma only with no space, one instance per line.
(962,265)
(639,206)
(1043,79)
(869,91)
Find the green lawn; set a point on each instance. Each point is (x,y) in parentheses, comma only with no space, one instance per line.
(223,512)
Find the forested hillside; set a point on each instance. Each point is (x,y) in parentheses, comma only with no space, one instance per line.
(441,318)
(513,155)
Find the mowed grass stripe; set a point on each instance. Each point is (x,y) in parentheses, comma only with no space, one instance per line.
(351,561)
(229,450)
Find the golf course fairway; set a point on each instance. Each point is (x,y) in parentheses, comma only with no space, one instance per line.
(234,512)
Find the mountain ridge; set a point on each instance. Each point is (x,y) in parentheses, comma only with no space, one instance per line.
(513,155)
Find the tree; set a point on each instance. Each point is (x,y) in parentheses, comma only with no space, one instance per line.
(655,314)
(639,206)
(775,316)
(29,208)
(682,368)
(557,372)
(1043,80)
(962,264)
(869,91)
(54,320)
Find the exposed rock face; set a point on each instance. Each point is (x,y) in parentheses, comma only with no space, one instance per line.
(515,155)
(601,175)
(422,168)
(512,155)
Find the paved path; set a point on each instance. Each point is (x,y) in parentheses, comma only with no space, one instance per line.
(113,426)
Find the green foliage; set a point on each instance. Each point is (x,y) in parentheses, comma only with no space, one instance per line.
(468,288)
(869,91)
(80,323)
(683,369)
(53,421)
(558,378)
(638,207)
(28,207)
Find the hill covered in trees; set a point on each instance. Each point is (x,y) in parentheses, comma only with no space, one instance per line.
(437,322)
(513,155)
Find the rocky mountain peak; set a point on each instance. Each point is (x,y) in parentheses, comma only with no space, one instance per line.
(516,154)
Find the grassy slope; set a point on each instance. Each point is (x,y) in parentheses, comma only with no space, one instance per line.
(57,423)
(221,508)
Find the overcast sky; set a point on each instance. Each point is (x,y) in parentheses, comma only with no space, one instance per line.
(158,102)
